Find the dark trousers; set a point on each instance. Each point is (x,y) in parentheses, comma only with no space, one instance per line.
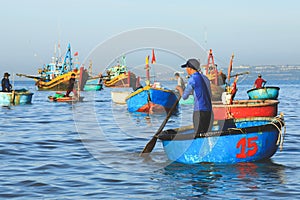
(201,120)
(69,91)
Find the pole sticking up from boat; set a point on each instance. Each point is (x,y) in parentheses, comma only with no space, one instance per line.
(230,69)
(211,68)
(147,71)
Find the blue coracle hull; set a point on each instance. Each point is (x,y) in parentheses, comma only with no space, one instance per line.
(250,140)
(264,93)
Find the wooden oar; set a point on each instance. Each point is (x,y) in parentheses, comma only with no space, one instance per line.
(150,145)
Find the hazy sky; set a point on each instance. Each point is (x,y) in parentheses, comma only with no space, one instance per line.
(257,31)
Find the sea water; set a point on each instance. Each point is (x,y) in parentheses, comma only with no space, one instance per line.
(90,150)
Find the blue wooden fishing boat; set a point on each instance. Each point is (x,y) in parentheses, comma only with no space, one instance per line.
(244,140)
(16,97)
(151,100)
(263,93)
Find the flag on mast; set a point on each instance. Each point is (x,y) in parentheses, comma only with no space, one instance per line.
(153,60)
(147,60)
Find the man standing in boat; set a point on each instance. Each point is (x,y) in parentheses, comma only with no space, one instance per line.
(202,98)
(71,86)
(6,86)
(259,82)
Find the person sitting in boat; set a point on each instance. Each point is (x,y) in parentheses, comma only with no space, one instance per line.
(71,88)
(180,83)
(202,105)
(6,86)
(259,82)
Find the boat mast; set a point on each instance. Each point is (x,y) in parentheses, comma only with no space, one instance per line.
(91,68)
(230,69)
(211,67)
(67,65)
(147,71)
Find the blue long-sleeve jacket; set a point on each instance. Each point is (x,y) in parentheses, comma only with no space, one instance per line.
(202,97)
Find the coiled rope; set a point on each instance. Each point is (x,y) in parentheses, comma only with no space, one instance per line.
(280,136)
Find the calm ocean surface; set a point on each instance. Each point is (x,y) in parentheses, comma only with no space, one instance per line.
(89,150)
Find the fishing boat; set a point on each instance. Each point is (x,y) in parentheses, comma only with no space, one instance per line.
(240,108)
(217,84)
(59,97)
(93,84)
(245,108)
(119,97)
(263,93)
(55,76)
(151,100)
(119,76)
(248,140)
(211,71)
(15,97)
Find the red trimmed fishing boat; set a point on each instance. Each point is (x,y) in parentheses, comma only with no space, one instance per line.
(245,108)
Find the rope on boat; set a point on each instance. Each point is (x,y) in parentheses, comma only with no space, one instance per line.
(237,129)
(280,136)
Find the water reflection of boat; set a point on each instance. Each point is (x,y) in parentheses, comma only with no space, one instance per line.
(198,180)
(246,140)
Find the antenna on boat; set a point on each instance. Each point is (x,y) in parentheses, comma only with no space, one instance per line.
(59,51)
(55,53)
(90,68)
(205,37)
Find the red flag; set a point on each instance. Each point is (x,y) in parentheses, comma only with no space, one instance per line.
(76,53)
(153,61)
